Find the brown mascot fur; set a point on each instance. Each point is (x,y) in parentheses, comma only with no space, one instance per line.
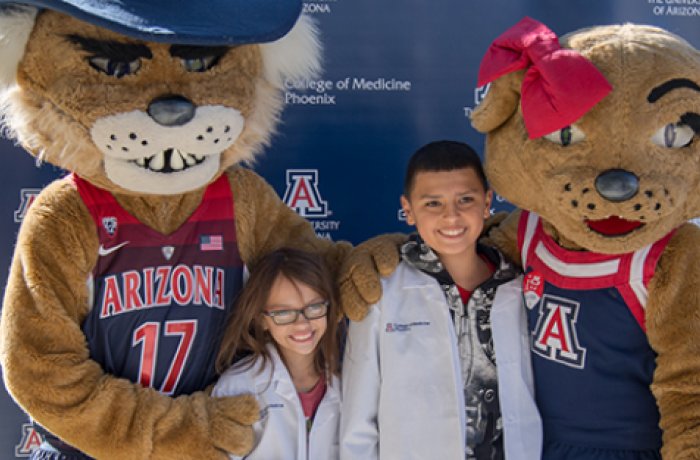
(617,181)
(116,125)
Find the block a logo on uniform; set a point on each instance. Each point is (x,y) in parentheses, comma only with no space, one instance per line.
(31,439)
(302,193)
(27,196)
(555,337)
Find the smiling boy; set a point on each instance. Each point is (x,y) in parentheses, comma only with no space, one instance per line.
(419,374)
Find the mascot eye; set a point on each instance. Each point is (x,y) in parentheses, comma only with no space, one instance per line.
(115,68)
(673,136)
(200,64)
(566,136)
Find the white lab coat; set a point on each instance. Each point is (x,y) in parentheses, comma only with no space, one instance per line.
(280,434)
(401,371)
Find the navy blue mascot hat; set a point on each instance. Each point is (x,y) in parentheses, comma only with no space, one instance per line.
(202,22)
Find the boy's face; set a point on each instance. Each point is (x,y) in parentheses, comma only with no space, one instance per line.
(448,209)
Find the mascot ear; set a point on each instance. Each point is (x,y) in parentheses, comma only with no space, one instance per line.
(499,104)
(297,55)
(16,23)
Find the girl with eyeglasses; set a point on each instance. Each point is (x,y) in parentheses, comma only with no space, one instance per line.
(286,327)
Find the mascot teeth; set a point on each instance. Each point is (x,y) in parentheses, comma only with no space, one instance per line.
(176,161)
(157,162)
(169,160)
(190,159)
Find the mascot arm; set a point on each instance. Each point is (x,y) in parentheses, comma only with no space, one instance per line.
(46,363)
(673,326)
(502,232)
(264,223)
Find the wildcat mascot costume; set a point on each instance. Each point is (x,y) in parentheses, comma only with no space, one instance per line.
(125,269)
(595,138)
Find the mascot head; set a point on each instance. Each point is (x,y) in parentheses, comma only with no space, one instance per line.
(596,132)
(154,97)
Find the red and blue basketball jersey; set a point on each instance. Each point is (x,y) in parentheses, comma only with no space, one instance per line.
(592,362)
(160,302)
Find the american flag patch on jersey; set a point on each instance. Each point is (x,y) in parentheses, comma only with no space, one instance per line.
(211,242)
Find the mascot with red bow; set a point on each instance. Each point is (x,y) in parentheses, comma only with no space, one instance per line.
(594,137)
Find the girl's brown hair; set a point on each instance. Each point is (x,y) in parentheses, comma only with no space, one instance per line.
(244,334)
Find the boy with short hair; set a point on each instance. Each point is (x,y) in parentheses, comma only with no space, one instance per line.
(419,374)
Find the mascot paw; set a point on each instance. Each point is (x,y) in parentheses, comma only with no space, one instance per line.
(493,221)
(360,275)
(231,423)
(487,235)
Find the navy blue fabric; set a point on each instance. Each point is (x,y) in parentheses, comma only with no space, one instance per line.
(202,22)
(113,343)
(558,451)
(597,395)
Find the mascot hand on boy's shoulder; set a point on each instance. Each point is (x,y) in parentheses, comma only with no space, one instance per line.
(359,285)
(604,162)
(125,270)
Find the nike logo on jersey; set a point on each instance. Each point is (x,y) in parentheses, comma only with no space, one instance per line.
(102,251)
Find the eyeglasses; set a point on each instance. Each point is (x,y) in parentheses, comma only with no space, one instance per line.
(311,311)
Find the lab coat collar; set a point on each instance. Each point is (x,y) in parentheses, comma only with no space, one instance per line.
(282,381)
(412,278)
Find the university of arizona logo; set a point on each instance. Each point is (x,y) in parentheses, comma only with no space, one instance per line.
(27,196)
(302,193)
(31,439)
(110,225)
(554,337)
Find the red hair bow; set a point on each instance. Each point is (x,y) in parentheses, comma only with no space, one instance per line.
(560,85)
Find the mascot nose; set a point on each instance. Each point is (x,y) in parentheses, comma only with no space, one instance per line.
(617,185)
(171,110)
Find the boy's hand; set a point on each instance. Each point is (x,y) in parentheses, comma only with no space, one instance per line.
(231,423)
(360,274)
